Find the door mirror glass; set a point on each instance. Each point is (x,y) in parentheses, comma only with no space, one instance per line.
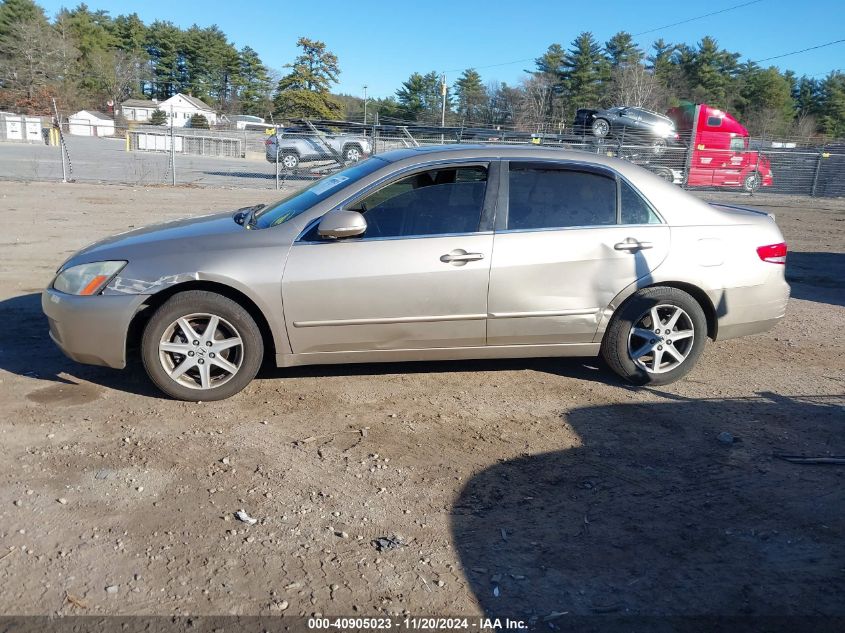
(342,223)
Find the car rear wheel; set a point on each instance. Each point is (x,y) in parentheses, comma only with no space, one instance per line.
(751,182)
(201,346)
(289,160)
(352,153)
(601,128)
(665,173)
(655,337)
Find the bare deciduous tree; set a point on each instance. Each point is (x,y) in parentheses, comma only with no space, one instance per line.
(118,72)
(537,100)
(633,85)
(33,58)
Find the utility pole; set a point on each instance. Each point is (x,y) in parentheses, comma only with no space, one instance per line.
(365,104)
(443,95)
(172,150)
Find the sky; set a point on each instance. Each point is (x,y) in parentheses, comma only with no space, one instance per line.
(379,44)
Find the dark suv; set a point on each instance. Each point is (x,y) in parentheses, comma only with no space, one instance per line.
(625,123)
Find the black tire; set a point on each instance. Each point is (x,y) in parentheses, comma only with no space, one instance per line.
(350,150)
(665,173)
(289,160)
(601,128)
(751,182)
(247,355)
(615,348)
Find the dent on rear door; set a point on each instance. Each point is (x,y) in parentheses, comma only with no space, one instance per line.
(550,287)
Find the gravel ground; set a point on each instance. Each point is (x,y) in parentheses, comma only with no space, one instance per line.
(513,488)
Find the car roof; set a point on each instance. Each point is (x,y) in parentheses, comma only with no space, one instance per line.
(489,151)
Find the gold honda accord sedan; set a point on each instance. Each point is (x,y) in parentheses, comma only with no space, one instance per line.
(437,253)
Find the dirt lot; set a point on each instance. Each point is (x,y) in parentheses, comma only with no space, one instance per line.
(518,488)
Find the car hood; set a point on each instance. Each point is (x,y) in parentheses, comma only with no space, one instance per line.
(176,235)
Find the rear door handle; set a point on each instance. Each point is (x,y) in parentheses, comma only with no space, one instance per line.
(459,257)
(632,245)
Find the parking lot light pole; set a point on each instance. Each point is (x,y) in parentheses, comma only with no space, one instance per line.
(365,104)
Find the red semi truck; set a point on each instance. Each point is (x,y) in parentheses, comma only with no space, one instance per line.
(719,155)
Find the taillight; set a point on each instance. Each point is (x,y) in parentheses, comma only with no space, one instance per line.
(773,253)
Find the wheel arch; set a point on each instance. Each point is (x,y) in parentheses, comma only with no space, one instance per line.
(155,301)
(694,291)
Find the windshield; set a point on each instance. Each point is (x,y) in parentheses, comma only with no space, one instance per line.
(300,201)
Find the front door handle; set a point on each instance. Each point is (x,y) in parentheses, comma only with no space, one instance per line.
(630,244)
(459,257)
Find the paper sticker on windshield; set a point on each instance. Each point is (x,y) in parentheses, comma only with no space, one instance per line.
(328,183)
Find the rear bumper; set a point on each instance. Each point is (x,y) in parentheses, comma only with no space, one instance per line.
(751,310)
(91,330)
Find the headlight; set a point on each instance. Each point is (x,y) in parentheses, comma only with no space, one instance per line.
(86,279)
(663,129)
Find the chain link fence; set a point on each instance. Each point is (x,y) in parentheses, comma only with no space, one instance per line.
(99,150)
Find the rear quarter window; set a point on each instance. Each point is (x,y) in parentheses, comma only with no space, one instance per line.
(635,210)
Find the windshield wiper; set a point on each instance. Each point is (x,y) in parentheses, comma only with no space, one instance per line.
(246,216)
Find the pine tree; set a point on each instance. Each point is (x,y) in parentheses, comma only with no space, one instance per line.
(471,95)
(316,68)
(304,92)
(622,51)
(710,71)
(585,69)
(19,11)
(164,47)
(198,121)
(420,98)
(832,105)
(158,117)
(254,83)
(551,66)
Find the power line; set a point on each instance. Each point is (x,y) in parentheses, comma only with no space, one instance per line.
(659,28)
(516,61)
(803,50)
(699,17)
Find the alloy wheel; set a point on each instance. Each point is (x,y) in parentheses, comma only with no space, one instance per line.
(201,351)
(601,128)
(661,339)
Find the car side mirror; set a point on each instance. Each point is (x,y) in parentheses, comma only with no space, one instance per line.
(342,223)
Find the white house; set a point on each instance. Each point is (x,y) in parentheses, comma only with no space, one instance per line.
(182,107)
(91,123)
(138,109)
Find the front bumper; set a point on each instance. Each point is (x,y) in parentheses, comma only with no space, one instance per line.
(91,330)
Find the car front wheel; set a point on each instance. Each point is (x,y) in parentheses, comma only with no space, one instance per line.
(751,182)
(655,337)
(201,346)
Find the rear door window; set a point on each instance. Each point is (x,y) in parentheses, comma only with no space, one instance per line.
(545,198)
